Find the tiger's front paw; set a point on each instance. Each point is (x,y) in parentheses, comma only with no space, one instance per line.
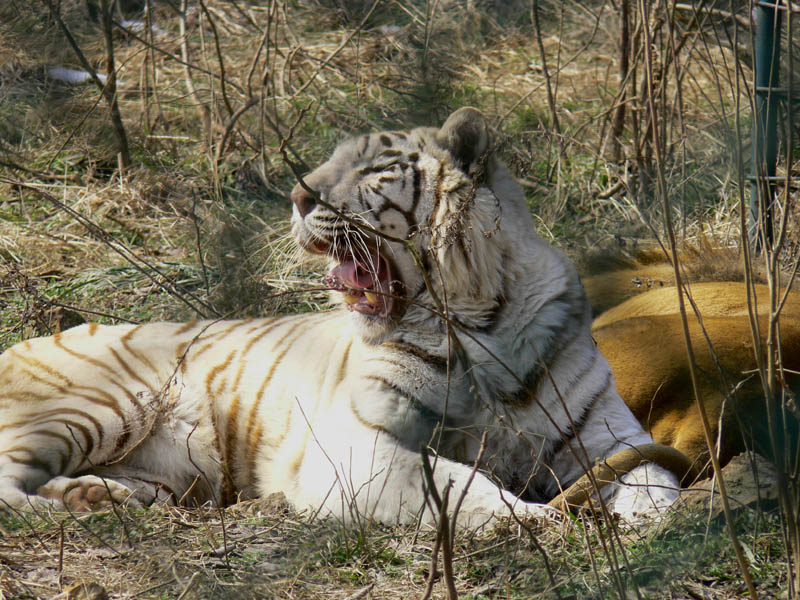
(87,493)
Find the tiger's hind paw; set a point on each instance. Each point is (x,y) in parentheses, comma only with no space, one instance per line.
(87,493)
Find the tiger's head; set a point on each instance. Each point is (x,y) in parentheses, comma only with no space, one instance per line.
(413,220)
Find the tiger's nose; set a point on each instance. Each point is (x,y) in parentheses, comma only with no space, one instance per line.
(303,200)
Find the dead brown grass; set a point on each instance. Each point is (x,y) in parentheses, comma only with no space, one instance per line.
(209,219)
(262,549)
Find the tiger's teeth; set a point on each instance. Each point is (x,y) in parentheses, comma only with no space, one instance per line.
(351,298)
(371,298)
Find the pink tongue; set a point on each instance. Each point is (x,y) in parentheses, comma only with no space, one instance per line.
(352,275)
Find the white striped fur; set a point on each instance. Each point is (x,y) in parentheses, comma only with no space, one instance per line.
(332,408)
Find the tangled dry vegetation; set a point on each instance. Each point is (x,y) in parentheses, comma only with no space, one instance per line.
(264,550)
(179,210)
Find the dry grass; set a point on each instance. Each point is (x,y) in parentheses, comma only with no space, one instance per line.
(264,550)
(209,221)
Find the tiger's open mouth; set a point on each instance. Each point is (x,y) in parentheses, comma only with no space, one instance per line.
(365,279)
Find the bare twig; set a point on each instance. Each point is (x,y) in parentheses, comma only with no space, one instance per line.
(362,593)
(226,489)
(443,531)
(475,466)
(61,556)
(39,174)
(108,89)
(105,484)
(220,59)
(740,20)
(202,109)
(189,585)
(624,64)
(141,265)
(535,542)
(223,141)
(663,192)
(551,102)
(198,247)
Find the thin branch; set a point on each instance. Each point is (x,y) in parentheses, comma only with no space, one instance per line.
(226,134)
(107,89)
(202,109)
(551,102)
(141,265)
(338,49)
(221,61)
(111,85)
(443,530)
(663,192)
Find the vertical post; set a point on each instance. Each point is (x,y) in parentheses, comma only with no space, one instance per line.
(765,122)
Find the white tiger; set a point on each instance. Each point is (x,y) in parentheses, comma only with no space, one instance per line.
(332,408)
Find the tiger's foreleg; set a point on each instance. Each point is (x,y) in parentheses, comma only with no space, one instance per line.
(37,470)
(371,475)
(169,464)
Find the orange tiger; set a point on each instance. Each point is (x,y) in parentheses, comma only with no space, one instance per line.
(644,341)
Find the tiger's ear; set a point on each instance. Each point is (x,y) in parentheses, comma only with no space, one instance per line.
(466,135)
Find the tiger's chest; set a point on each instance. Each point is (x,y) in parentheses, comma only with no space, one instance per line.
(410,389)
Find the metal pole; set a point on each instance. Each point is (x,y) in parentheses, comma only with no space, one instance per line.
(765,122)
